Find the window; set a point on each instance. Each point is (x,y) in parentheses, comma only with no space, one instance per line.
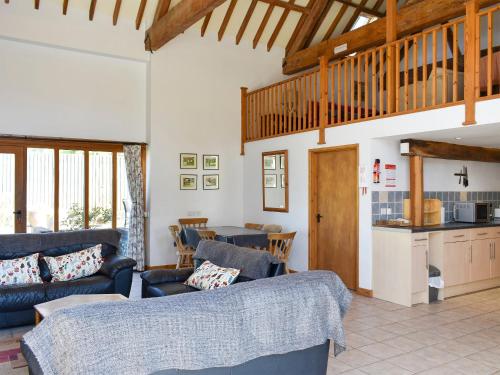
(68,185)
(363,20)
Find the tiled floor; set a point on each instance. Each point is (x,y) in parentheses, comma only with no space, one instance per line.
(458,336)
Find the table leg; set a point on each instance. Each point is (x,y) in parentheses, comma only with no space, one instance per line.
(38,318)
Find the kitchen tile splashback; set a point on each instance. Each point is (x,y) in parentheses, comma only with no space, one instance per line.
(394,201)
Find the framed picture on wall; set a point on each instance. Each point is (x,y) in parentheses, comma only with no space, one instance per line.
(270,181)
(282,162)
(211,162)
(269,162)
(211,182)
(282,180)
(189,182)
(189,161)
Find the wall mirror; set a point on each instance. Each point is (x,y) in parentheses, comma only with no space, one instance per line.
(275,181)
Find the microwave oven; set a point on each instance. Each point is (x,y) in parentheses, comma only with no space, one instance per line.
(473,212)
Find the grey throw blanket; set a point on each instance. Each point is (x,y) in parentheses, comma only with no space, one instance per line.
(218,328)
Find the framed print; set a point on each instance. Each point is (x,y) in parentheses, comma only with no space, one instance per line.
(189,182)
(282,162)
(269,162)
(282,180)
(189,161)
(211,162)
(270,181)
(211,182)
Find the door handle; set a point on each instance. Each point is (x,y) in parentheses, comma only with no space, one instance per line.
(18,212)
(427,260)
(318,218)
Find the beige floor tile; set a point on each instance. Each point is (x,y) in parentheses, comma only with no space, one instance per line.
(355,340)
(411,362)
(356,358)
(487,358)
(457,348)
(436,356)
(426,338)
(353,372)
(377,334)
(440,370)
(385,368)
(399,329)
(381,351)
(479,343)
(337,367)
(404,344)
(469,367)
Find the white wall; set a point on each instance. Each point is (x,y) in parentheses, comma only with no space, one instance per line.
(365,135)
(195,108)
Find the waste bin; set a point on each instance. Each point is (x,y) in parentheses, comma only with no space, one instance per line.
(433,292)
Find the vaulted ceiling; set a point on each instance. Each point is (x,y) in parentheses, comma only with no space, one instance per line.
(268,22)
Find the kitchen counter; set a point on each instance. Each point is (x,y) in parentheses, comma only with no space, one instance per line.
(440,227)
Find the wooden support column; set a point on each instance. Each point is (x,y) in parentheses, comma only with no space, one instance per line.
(391,35)
(323,92)
(244,91)
(470,51)
(417,190)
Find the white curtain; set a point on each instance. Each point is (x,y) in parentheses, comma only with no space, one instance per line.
(133,165)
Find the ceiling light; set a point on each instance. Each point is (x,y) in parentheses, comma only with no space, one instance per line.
(458,138)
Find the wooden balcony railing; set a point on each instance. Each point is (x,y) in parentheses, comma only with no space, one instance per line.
(423,71)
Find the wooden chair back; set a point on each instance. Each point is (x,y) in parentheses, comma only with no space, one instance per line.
(253,226)
(207,234)
(193,222)
(184,254)
(272,228)
(280,245)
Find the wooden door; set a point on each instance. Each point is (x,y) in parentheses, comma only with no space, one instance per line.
(495,262)
(334,212)
(480,260)
(456,263)
(420,268)
(12,197)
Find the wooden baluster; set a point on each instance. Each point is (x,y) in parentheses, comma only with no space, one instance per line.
(352,89)
(273,111)
(489,62)
(315,99)
(244,118)
(415,72)
(358,105)
(304,104)
(434,67)
(294,112)
(374,83)
(455,62)
(406,63)
(323,98)
(346,89)
(366,104)
(339,96)
(310,103)
(398,79)
(471,28)
(382,82)
(332,103)
(424,70)
(477,56)
(444,46)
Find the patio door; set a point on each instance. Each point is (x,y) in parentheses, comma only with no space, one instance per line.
(12,190)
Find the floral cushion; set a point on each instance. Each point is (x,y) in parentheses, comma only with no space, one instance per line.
(210,276)
(75,265)
(20,271)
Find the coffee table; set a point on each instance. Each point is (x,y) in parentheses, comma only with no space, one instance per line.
(43,310)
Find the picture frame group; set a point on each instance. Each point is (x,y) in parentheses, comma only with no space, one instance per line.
(190,181)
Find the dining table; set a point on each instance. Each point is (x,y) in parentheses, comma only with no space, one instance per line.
(235,235)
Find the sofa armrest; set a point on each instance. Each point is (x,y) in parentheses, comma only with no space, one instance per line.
(114,264)
(166,276)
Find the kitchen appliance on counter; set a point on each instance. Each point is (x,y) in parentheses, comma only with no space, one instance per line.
(473,212)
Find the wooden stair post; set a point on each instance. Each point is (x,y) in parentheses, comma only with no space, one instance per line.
(417,190)
(323,92)
(244,91)
(470,60)
(391,35)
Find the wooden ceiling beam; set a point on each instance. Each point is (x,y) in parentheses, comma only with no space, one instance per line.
(263,25)
(307,26)
(335,22)
(116,11)
(287,5)
(206,21)
(449,151)
(140,14)
(227,17)
(65,7)
(244,24)
(319,22)
(372,12)
(411,18)
(161,9)
(177,20)
(93,4)
(278,27)
(354,16)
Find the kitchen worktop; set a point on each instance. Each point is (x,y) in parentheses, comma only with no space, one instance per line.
(440,227)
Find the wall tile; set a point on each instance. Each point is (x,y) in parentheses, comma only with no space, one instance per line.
(375,196)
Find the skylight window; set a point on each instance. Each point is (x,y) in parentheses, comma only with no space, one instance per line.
(363,20)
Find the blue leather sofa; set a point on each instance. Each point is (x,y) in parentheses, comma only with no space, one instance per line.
(17,301)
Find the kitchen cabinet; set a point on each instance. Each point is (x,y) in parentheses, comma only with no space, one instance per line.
(495,261)
(480,259)
(420,267)
(456,262)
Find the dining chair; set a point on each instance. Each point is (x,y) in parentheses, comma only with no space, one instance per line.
(272,228)
(184,253)
(193,222)
(207,234)
(280,245)
(253,226)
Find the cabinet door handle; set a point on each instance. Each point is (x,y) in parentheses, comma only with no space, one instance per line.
(491,251)
(427,259)
(462,235)
(470,256)
(420,239)
(482,234)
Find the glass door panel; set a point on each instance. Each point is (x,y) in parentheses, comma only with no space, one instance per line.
(71,189)
(40,190)
(11,190)
(100,189)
